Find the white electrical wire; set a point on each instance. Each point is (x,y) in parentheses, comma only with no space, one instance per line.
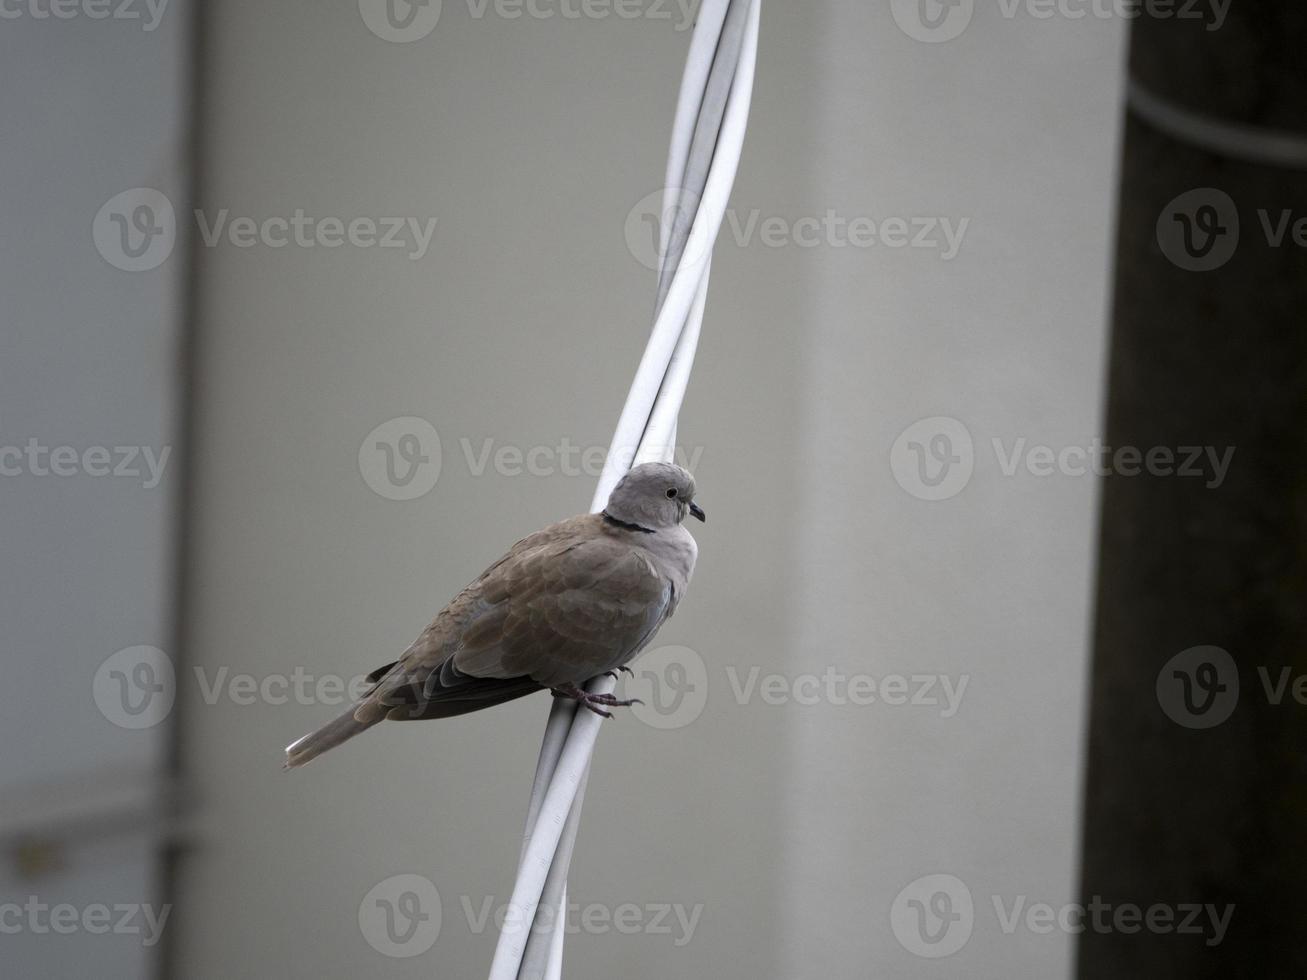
(707,141)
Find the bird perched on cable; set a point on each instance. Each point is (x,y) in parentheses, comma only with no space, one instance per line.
(569,603)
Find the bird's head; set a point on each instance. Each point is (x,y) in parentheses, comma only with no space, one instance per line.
(654,496)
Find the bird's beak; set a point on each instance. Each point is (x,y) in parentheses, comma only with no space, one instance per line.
(697,512)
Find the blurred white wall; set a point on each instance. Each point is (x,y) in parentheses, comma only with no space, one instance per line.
(1011,126)
(791,827)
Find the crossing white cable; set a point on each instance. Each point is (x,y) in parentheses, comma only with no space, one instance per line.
(717,85)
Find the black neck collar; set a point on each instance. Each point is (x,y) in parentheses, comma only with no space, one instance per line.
(626,525)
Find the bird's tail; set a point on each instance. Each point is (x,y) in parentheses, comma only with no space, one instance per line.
(312,745)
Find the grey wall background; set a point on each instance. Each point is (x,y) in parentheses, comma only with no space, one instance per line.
(89,358)
(794,828)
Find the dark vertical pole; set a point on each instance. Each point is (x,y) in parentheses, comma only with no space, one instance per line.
(1197,781)
(169,958)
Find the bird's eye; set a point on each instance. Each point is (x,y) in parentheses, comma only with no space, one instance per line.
(671,494)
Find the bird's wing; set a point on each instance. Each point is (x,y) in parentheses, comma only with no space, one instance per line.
(562,606)
(565,615)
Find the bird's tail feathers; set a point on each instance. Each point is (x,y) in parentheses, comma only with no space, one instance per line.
(312,745)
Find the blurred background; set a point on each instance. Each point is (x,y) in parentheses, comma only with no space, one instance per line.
(311,309)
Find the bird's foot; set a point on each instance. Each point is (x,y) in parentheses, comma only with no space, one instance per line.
(614,702)
(592,702)
(617,674)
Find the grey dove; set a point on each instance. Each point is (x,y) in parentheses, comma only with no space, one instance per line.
(567,604)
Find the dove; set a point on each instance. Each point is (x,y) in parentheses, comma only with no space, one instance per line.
(572,602)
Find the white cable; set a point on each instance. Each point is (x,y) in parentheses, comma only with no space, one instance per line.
(551,913)
(732,136)
(698,63)
(646,430)
(711,71)
(685,283)
(554,896)
(555,970)
(554,811)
